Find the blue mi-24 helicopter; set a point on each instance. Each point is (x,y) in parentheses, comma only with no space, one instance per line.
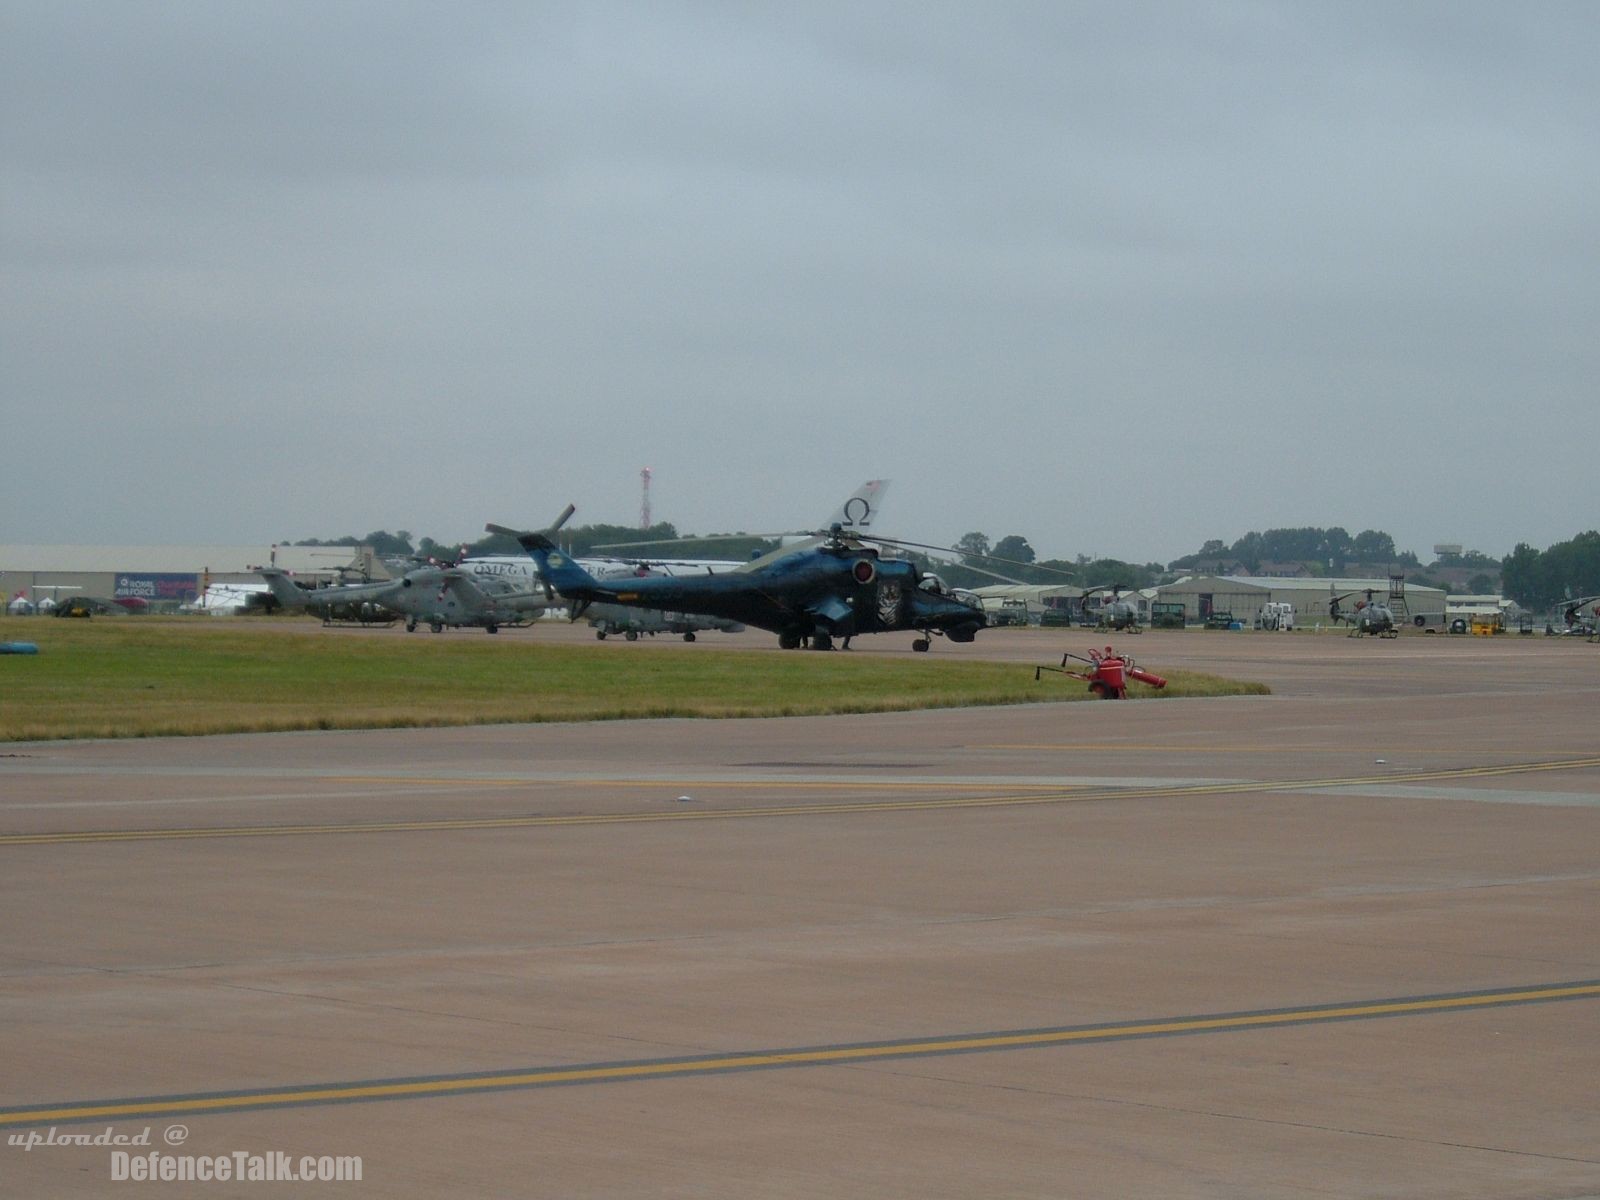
(834,585)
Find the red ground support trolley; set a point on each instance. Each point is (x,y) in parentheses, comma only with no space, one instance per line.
(1108,673)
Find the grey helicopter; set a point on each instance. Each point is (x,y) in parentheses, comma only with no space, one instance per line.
(1369,617)
(344,603)
(470,592)
(1114,613)
(1580,618)
(434,595)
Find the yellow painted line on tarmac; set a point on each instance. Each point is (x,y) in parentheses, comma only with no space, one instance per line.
(1055,796)
(815,1056)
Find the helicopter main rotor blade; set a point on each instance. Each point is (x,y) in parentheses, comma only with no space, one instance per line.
(519,534)
(993,574)
(961,555)
(711,537)
(1116,589)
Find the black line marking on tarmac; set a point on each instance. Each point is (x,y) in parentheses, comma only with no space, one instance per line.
(1063,796)
(525,1078)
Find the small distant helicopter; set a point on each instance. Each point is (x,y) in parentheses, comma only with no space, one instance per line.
(1369,616)
(1581,617)
(1115,613)
(363,603)
(835,585)
(89,606)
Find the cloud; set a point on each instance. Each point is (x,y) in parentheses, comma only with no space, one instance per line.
(1117,278)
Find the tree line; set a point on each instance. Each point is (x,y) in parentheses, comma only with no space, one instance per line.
(1543,579)
(1332,549)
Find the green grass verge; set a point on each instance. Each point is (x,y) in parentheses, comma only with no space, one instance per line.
(137,677)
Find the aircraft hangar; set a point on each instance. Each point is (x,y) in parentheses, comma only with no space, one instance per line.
(1244,595)
(166,575)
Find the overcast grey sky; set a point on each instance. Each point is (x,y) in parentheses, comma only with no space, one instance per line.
(1118,277)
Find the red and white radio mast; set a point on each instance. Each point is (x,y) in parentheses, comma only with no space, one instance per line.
(644,498)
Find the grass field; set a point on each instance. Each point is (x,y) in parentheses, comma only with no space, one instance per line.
(148,677)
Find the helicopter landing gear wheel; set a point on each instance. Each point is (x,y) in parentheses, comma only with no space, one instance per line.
(492,628)
(411,625)
(436,626)
(600,635)
(632,635)
(822,641)
(688,637)
(788,641)
(921,645)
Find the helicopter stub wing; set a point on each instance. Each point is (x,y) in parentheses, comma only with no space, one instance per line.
(833,612)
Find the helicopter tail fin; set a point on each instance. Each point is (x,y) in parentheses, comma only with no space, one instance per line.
(559,572)
(284,590)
